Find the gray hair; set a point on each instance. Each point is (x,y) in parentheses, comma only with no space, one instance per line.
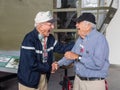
(92,24)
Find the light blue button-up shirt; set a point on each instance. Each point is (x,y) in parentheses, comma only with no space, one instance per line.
(95,56)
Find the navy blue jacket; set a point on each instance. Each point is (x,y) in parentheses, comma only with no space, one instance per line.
(31,65)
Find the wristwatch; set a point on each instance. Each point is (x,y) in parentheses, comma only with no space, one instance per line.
(78,59)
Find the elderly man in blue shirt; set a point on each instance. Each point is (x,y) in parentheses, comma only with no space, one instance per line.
(89,55)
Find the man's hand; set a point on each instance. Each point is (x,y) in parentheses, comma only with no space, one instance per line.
(71,55)
(54,67)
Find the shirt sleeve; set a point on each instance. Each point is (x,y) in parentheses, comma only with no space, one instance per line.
(66,62)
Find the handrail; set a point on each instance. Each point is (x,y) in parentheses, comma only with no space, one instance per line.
(109,15)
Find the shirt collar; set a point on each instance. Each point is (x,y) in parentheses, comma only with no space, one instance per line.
(91,33)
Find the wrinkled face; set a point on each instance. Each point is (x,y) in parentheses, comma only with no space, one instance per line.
(83,28)
(45,28)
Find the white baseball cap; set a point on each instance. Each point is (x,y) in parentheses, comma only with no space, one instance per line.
(44,16)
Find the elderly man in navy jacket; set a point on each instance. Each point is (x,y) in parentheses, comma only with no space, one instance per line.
(36,54)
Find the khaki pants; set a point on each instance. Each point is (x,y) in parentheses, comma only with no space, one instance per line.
(88,85)
(42,84)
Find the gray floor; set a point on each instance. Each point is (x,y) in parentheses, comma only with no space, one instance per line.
(113,80)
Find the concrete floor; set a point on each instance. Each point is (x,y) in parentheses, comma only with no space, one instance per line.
(113,80)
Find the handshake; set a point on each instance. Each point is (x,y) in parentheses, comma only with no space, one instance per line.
(69,56)
(55,67)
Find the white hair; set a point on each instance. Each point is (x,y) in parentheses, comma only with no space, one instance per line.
(92,24)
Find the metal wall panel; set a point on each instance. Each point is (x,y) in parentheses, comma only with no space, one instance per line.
(17,18)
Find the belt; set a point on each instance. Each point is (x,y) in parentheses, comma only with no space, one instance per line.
(90,78)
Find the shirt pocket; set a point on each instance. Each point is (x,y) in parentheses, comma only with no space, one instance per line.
(87,52)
